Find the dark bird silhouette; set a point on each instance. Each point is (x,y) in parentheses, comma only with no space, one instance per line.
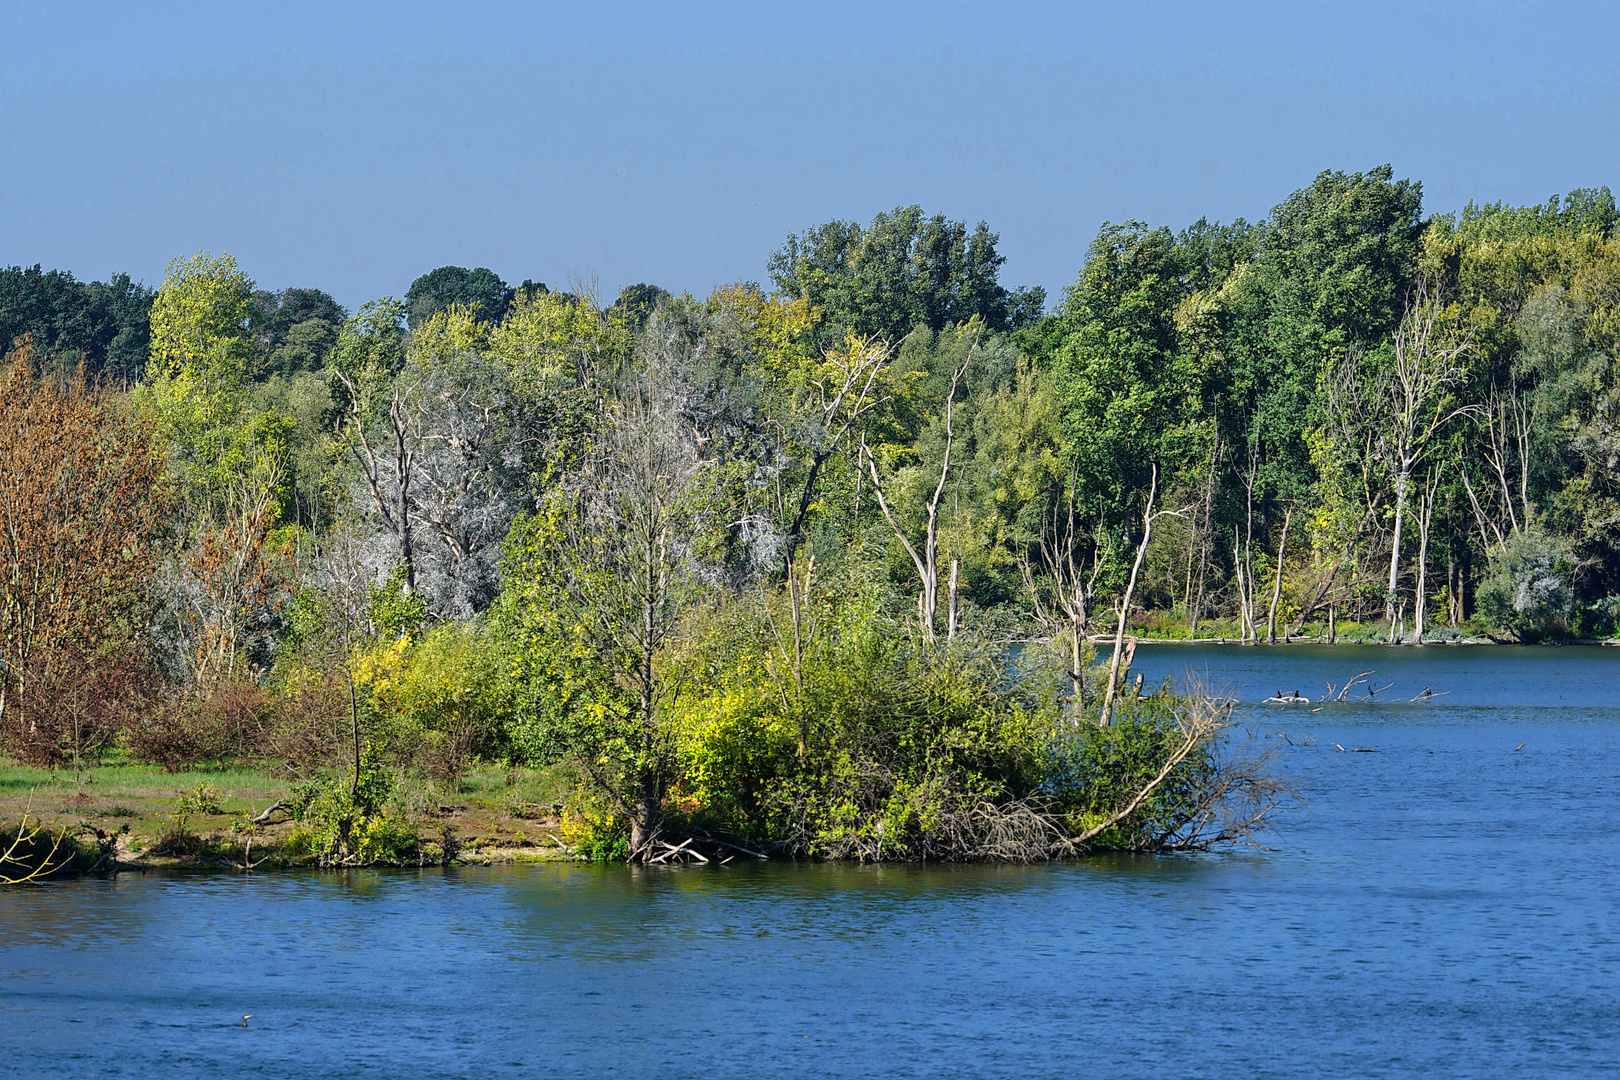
(246,1018)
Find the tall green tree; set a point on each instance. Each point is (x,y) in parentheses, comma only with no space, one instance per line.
(479,289)
(902,271)
(1131,393)
(295,330)
(1331,275)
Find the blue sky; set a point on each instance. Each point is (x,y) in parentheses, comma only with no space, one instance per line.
(353,146)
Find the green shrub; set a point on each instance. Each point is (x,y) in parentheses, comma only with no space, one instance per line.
(1529,590)
(346,822)
(595,835)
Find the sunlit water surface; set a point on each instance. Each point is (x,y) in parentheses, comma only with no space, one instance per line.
(1445,906)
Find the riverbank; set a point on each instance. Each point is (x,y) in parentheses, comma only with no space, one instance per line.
(140,817)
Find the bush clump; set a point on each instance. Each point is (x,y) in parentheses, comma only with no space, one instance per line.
(1530,589)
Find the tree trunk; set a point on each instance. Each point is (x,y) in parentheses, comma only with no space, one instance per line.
(806,500)
(1425,519)
(950,625)
(643,821)
(404,460)
(1125,604)
(1450,590)
(927,563)
(1276,587)
(1402,480)
(1205,534)
(1244,552)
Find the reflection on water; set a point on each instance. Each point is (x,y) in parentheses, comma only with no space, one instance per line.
(1444,905)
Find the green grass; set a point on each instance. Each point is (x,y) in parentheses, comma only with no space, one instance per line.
(485,807)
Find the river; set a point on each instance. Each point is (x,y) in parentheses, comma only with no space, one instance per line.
(1445,906)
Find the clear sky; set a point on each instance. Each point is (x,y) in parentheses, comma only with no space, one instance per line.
(354,146)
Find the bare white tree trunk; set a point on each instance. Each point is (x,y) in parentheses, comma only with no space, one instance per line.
(1425,519)
(1070,593)
(1246,581)
(1276,587)
(927,561)
(1402,481)
(1426,361)
(1112,689)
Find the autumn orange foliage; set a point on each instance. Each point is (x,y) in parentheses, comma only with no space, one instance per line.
(83,508)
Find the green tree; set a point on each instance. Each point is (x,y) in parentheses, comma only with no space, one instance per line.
(480,289)
(104,325)
(202,320)
(597,585)
(636,303)
(295,329)
(1331,274)
(902,271)
(1130,392)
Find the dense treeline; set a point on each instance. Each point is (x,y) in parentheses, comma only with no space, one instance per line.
(1419,407)
(749,568)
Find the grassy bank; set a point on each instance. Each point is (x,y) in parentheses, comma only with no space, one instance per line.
(203,817)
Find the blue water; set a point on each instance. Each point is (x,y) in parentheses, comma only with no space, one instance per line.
(1445,906)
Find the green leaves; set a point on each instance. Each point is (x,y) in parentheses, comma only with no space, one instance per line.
(202,321)
(901,272)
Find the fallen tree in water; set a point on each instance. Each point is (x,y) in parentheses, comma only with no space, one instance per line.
(30,852)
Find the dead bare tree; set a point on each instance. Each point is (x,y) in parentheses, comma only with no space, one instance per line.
(616,569)
(1149,515)
(927,560)
(1243,552)
(1062,596)
(1276,588)
(1431,485)
(387,464)
(1199,546)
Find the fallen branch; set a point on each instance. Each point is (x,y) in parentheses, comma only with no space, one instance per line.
(683,849)
(247,862)
(20,852)
(707,839)
(1337,693)
(1201,727)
